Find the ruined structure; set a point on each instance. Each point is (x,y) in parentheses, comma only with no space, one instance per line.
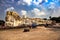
(13,19)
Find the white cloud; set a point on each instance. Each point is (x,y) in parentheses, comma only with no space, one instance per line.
(9,9)
(18,2)
(37,12)
(23,12)
(52,5)
(27,1)
(21,2)
(36,3)
(46,0)
(56,12)
(39,1)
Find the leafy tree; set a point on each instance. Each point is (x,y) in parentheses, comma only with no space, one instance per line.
(2,22)
(57,19)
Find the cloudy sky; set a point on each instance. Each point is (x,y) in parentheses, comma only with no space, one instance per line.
(31,8)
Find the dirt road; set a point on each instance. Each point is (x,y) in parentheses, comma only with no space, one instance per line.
(40,33)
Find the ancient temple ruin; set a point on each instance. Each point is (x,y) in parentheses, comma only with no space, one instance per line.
(13,19)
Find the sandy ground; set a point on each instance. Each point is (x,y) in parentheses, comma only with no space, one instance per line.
(40,33)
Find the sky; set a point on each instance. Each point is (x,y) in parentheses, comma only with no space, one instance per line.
(31,8)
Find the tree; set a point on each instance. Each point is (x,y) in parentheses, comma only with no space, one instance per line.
(50,17)
(2,22)
(45,18)
(57,19)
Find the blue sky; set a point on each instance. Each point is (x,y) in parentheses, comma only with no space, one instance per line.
(31,8)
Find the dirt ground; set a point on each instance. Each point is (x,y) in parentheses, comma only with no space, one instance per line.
(39,33)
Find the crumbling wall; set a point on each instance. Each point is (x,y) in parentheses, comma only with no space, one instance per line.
(12,18)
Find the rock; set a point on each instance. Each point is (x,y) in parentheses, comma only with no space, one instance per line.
(26,30)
